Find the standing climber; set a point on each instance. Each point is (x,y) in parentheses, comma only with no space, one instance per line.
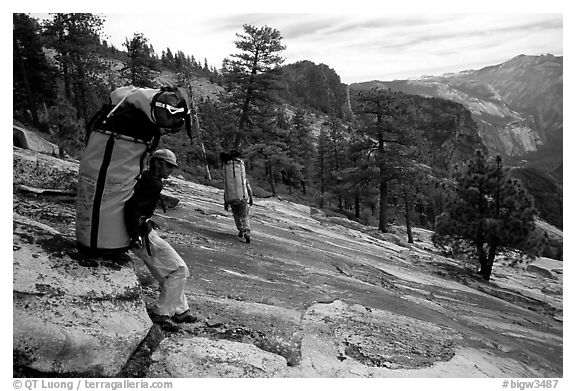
(237,191)
(162,260)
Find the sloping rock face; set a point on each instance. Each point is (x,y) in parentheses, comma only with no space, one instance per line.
(337,340)
(343,339)
(43,171)
(71,315)
(336,299)
(203,357)
(24,138)
(310,296)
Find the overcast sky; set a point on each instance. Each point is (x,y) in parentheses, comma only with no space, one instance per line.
(359,47)
(366,43)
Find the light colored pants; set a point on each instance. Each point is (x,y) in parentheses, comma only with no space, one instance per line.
(169,269)
(240,211)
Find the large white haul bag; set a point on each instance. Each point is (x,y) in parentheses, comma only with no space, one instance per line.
(106,180)
(235,181)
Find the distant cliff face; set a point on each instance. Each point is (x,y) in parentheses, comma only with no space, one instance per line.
(531,85)
(517,105)
(315,86)
(449,132)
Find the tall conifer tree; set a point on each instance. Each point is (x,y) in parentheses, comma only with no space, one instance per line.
(385,117)
(250,75)
(138,68)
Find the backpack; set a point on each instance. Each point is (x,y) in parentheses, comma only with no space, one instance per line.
(235,189)
(119,138)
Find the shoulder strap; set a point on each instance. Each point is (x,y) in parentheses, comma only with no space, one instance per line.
(118,105)
(97,118)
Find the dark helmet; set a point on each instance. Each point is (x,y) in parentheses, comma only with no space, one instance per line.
(234,154)
(166,155)
(227,156)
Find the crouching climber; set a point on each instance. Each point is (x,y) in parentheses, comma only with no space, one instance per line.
(167,267)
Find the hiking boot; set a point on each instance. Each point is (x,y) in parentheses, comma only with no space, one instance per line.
(164,322)
(184,317)
(240,233)
(247,237)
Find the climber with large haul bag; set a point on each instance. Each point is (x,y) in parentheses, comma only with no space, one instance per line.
(111,177)
(121,136)
(237,191)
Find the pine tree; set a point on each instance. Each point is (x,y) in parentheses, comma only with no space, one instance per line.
(251,73)
(34,85)
(337,159)
(76,40)
(301,144)
(270,149)
(75,37)
(138,68)
(490,210)
(359,178)
(322,164)
(168,59)
(385,118)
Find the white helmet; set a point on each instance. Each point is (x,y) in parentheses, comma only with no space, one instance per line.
(166,155)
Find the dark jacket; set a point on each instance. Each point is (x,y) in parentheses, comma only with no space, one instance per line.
(142,203)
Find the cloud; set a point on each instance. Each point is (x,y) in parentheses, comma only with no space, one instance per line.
(391,46)
(358,46)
